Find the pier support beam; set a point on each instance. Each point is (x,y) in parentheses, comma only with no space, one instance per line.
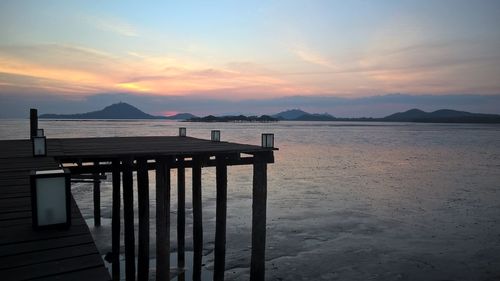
(197,220)
(115,221)
(128,218)
(257,268)
(220,223)
(33,122)
(97,198)
(162,219)
(181,213)
(143,237)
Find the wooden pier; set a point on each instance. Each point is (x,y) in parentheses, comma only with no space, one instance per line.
(63,255)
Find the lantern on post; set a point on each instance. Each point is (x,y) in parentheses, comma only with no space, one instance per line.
(182,132)
(39,146)
(50,198)
(215,136)
(267,140)
(39,133)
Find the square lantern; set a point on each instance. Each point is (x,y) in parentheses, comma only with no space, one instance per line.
(268,140)
(215,135)
(39,133)
(182,132)
(50,198)
(39,146)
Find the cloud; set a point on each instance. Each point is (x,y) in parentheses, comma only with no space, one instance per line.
(113,25)
(312,57)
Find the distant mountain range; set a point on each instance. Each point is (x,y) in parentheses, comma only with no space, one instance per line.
(126,111)
(120,110)
(299,115)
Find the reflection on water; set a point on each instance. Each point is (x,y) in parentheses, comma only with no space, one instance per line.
(176,274)
(359,201)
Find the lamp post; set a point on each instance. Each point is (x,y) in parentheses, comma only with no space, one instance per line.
(39,146)
(50,198)
(39,133)
(267,140)
(182,132)
(215,135)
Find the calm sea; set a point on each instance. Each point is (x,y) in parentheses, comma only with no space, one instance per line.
(346,201)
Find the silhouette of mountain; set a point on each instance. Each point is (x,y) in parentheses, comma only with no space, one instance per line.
(181,116)
(239,118)
(290,114)
(120,110)
(300,115)
(441,116)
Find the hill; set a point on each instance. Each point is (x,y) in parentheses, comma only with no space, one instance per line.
(441,116)
(300,115)
(181,116)
(120,110)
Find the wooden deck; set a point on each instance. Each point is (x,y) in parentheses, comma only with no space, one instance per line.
(26,254)
(72,254)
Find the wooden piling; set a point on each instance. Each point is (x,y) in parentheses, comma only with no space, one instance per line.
(128,218)
(115,221)
(257,267)
(197,220)
(143,205)
(162,220)
(181,213)
(97,198)
(220,222)
(33,122)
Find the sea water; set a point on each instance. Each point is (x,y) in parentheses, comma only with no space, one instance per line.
(346,200)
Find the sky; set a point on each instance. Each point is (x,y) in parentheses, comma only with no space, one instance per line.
(249,54)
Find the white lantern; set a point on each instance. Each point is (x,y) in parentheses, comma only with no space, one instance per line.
(215,135)
(182,132)
(39,146)
(268,140)
(50,198)
(39,133)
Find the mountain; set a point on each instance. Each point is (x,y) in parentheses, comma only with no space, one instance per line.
(315,117)
(290,114)
(300,115)
(441,116)
(181,116)
(115,111)
(238,118)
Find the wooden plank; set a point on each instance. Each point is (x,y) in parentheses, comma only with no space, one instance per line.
(92,273)
(143,205)
(128,219)
(50,268)
(115,221)
(40,245)
(258,259)
(220,222)
(197,220)
(7,262)
(181,214)
(162,219)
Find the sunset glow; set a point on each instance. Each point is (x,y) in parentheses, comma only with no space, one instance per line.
(244,50)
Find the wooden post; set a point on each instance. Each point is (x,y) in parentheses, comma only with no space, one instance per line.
(197,220)
(220,222)
(115,221)
(97,197)
(143,204)
(162,220)
(257,268)
(33,122)
(128,218)
(181,213)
